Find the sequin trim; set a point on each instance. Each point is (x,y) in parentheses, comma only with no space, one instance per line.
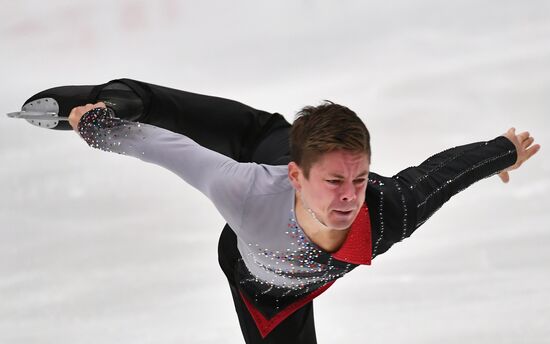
(404,205)
(298,267)
(100,129)
(380,216)
(469,170)
(442,164)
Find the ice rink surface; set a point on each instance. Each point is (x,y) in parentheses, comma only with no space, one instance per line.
(102,248)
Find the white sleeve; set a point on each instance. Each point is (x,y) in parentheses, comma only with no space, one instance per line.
(223,180)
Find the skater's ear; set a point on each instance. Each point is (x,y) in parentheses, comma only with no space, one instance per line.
(295,175)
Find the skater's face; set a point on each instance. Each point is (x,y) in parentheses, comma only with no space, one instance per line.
(335,189)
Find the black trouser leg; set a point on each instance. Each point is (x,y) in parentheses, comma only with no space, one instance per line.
(223,125)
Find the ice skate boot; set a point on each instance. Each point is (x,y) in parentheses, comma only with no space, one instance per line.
(50,108)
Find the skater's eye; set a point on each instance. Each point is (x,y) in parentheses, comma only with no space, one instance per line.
(359,181)
(334,181)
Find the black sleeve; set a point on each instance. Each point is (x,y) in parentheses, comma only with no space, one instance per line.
(400,204)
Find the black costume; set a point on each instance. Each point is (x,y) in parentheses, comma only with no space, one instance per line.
(396,205)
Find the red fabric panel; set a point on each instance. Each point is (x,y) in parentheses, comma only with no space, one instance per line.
(357,248)
(267,325)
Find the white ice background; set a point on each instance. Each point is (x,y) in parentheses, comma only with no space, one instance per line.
(102,248)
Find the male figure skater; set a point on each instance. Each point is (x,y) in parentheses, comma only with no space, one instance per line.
(303,221)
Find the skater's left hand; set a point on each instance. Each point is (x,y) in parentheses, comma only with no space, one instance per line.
(524,147)
(79,111)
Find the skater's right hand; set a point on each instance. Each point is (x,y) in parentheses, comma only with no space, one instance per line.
(79,111)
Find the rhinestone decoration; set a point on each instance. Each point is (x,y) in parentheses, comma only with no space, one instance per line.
(403,205)
(380,215)
(100,129)
(303,267)
(463,173)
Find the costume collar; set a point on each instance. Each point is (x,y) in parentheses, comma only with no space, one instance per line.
(357,248)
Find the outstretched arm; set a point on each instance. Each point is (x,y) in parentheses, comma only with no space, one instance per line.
(400,204)
(223,180)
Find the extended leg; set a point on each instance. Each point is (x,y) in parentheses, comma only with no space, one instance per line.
(226,126)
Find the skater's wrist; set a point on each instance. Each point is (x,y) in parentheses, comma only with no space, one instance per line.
(76,113)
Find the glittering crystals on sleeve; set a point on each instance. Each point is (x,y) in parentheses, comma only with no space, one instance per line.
(100,129)
(404,207)
(380,215)
(462,174)
(442,164)
(443,175)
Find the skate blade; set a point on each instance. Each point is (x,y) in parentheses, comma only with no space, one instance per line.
(41,112)
(36,115)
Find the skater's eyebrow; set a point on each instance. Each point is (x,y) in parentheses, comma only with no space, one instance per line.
(360,175)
